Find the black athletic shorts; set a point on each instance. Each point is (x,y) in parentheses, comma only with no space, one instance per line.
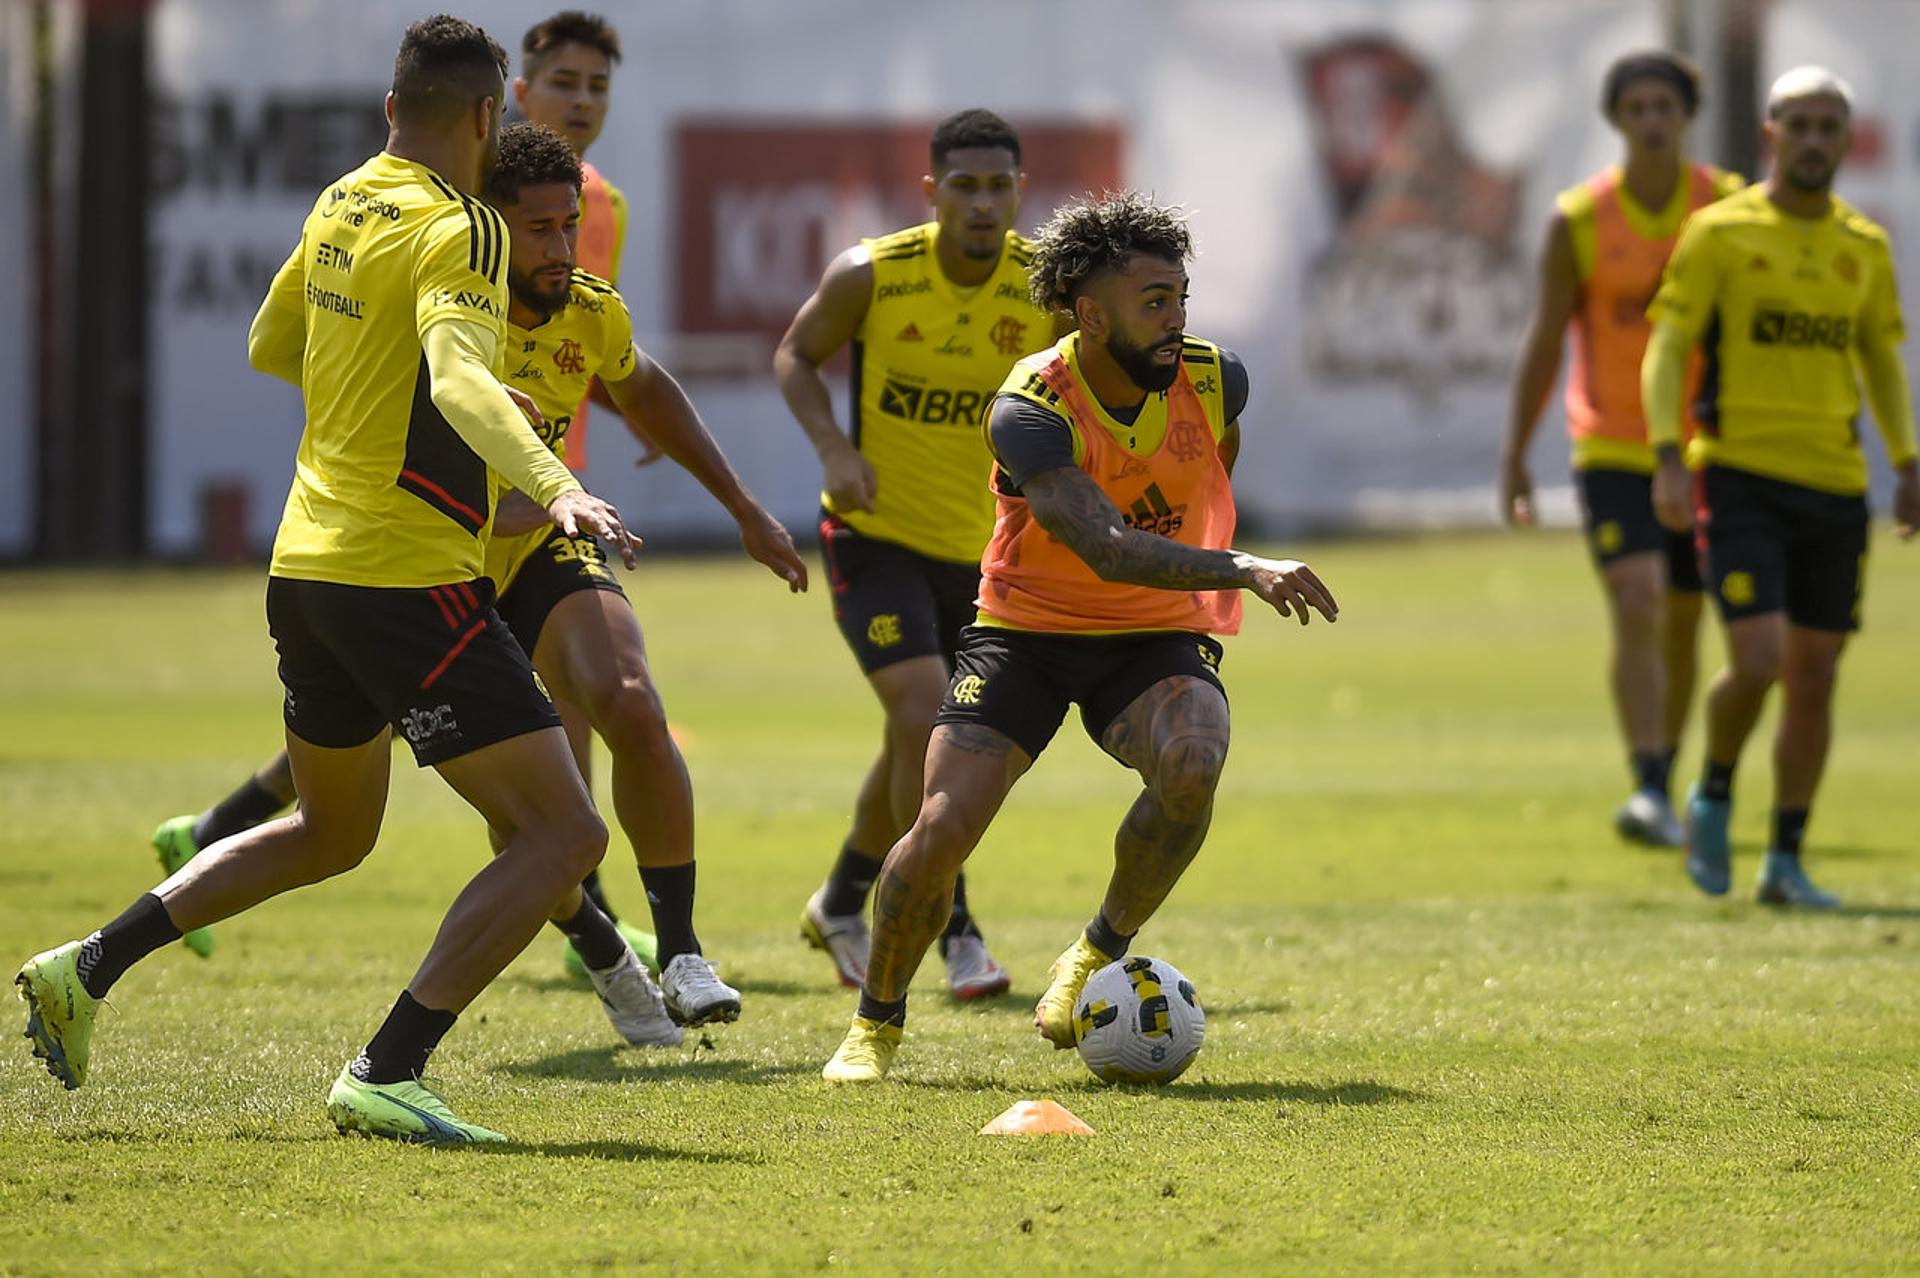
(1021,682)
(892,603)
(1616,509)
(436,663)
(1769,546)
(561,566)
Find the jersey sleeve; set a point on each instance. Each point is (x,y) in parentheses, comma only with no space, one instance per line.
(277,339)
(1235,385)
(1691,282)
(1028,438)
(1881,318)
(460,269)
(617,200)
(617,353)
(1726,182)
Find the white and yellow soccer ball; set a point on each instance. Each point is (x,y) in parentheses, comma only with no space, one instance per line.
(1138,1021)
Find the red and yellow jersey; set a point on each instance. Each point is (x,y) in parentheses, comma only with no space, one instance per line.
(1170,481)
(603,236)
(927,358)
(1620,248)
(554,363)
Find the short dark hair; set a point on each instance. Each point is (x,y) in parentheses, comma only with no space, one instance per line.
(569,26)
(530,155)
(1650,64)
(1091,235)
(973,127)
(445,64)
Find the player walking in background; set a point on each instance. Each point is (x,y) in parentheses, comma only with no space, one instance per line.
(936,314)
(1109,572)
(390,314)
(1606,245)
(566,65)
(1787,288)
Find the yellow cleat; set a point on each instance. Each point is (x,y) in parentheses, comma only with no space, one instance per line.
(1053,1014)
(60,1012)
(866,1054)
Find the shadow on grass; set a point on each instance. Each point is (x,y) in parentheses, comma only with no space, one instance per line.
(612,1151)
(613,1065)
(1359,1092)
(762,985)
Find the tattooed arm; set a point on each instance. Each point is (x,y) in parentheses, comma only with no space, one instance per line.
(1070,505)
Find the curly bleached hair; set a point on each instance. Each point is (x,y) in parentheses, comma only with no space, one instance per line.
(1094,234)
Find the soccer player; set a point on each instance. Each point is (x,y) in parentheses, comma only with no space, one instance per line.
(936,314)
(1606,245)
(390,314)
(1788,289)
(1109,572)
(566,64)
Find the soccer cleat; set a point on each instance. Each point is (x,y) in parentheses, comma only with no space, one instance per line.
(643,943)
(1646,817)
(971,971)
(694,995)
(60,1012)
(865,1054)
(409,1111)
(843,936)
(1053,1014)
(1783,882)
(173,840)
(1709,859)
(634,1004)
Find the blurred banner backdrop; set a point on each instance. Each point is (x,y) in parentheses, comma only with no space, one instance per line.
(16,302)
(1368,181)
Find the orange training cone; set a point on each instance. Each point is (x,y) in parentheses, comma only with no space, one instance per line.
(1036,1118)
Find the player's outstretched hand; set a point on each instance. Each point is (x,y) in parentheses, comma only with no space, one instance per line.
(524,402)
(577,510)
(1673,495)
(1906,503)
(1516,493)
(850,480)
(767,541)
(517,514)
(1292,588)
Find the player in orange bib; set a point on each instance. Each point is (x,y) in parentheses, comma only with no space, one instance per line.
(1608,241)
(1109,571)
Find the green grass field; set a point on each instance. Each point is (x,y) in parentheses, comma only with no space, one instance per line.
(1453,1024)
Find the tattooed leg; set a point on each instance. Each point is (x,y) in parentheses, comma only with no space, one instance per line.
(970,768)
(1175,736)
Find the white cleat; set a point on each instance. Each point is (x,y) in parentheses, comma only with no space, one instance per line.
(843,936)
(971,971)
(634,1003)
(695,996)
(1647,817)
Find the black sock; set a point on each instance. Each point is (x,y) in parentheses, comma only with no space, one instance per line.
(245,808)
(1718,782)
(1105,938)
(1653,770)
(852,878)
(670,893)
(140,930)
(873,1009)
(598,895)
(594,936)
(1789,828)
(960,921)
(399,1051)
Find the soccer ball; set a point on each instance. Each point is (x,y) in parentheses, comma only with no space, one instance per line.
(1138,1021)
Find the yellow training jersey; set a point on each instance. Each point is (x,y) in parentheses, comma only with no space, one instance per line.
(554,363)
(1779,304)
(384,492)
(926,359)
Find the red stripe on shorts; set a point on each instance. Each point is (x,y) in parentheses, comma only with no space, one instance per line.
(453,652)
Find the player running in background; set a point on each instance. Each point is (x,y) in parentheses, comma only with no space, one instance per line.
(566,72)
(936,314)
(1608,240)
(1110,570)
(1788,289)
(390,314)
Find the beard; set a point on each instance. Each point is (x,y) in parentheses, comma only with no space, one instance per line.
(546,302)
(1137,363)
(1811,176)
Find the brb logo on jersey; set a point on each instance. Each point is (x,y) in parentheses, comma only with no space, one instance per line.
(1775,325)
(931,405)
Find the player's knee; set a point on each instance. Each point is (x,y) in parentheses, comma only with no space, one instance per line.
(1639,607)
(1810,677)
(909,726)
(576,843)
(1186,775)
(633,721)
(336,848)
(945,831)
(1756,663)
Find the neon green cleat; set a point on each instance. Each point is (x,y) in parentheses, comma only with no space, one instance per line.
(409,1111)
(60,1012)
(644,944)
(174,842)
(1053,1014)
(865,1055)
